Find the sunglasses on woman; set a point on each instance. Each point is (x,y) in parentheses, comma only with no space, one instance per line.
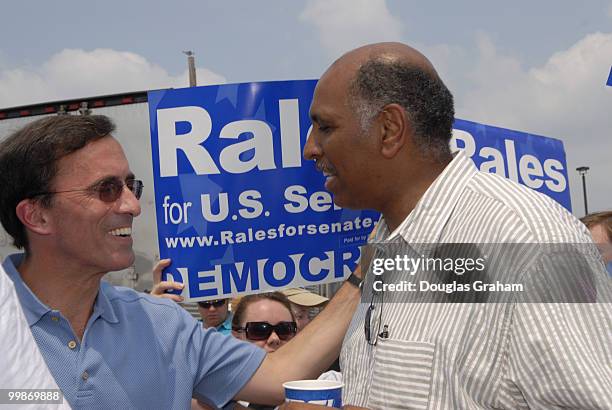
(107,190)
(262,330)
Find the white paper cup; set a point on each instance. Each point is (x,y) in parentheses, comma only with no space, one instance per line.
(322,392)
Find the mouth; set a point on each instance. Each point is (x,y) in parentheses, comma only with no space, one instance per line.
(327,170)
(329,181)
(124,232)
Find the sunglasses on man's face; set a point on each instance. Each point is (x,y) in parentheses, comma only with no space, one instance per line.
(210,303)
(262,330)
(107,190)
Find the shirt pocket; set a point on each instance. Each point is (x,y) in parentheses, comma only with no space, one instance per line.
(401,377)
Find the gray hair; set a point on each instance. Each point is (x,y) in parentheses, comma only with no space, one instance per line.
(427,102)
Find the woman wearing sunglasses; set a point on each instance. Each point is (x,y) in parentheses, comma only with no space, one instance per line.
(265,319)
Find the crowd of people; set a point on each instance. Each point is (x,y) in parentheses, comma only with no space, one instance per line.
(382,120)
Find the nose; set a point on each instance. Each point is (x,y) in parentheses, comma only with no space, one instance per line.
(129,203)
(273,340)
(312,150)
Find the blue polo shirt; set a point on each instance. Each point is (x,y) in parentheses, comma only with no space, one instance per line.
(137,352)
(225,328)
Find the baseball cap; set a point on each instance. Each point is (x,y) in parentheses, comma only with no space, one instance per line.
(304,297)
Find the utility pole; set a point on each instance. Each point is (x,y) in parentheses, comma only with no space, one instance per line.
(191,66)
(583,171)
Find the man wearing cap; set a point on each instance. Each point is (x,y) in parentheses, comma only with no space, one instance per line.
(302,301)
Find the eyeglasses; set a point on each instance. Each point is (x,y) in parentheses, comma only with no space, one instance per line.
(372,339)
(210,303)
(262,330)
(108,190)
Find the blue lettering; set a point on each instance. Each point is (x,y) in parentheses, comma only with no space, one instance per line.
(345,258)
(269,272)
(305,265)
(194,285)
(230,274)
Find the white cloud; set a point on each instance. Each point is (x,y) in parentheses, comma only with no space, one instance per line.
(565,98)
(345,24)
(75,73)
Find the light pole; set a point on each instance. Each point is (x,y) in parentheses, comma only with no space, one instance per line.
(191,66)
(583,171)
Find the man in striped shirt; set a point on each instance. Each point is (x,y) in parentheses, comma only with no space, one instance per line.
(382,121)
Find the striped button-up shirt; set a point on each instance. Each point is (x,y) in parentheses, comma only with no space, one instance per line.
(23,367)
(512,355)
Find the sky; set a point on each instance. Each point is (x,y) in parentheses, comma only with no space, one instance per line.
(533,66)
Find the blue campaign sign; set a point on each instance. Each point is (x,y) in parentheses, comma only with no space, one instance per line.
(610,78)
(532,160)
(238,210)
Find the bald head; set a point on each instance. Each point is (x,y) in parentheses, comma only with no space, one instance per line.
(385,52)
(376,75)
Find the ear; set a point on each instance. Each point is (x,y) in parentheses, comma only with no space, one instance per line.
(33,216)
(394,126)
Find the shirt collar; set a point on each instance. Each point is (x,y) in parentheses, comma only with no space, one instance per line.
(34,309)
(227,323)
(103,305)
(435,207)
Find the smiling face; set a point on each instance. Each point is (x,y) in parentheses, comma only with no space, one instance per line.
(87,233)
(265,310)
(343,152)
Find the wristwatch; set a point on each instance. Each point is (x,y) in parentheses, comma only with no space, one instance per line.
(355,280)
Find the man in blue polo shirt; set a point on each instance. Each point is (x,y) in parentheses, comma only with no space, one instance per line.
(216,315)
(68,198)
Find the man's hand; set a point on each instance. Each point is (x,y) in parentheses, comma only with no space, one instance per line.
(160,287)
